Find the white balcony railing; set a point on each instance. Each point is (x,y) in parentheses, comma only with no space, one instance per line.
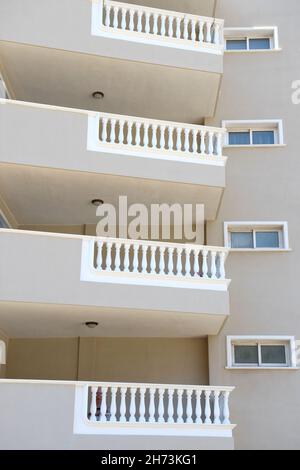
(159,263)
(170,28)
(152,408)
(117,133)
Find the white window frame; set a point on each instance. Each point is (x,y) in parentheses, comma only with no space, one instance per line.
(2,352)
(254,227)
(275,125)
(265,32)
(288,341)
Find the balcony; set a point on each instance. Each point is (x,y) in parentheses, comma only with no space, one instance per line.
(168,158)
(113,416)
(134,51)
(139,288)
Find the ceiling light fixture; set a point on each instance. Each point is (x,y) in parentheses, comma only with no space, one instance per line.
(98,95)
(97,202)
(91,324)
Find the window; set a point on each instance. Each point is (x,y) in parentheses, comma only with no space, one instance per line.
(2,352)
(3,222)
(256,236)
(261,352)
(3,90)
(254,133)
(252,39)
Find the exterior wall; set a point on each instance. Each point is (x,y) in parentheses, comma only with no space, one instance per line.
(51,424)
(262,185)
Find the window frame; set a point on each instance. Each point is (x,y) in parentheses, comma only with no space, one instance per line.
(255,227)
(245,34)
(275,125)
(259,341)
(7,97)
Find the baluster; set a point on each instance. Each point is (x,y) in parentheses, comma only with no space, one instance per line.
(193,30)
(216,407)
(117,257)
(189,409)
(195,143)
(216,33)
(113,131)
(154,136)
(198,410)
(161,269)
(222,258)
(196,262)
(93,407)
(178,140)
(126,257)
(208,31)
(103,406)
(204,264)
(147,22)
(179,406)
(178,29)
(202,142)
(152,405)
(201,26)
(108,256)
(115,17)
(179,262)
(219,149)
(213,265)
(161,138)
(142,405)
(207,410)
(155,23)
(139,21)
(121,132)
(170,265)
(107,16)
(138,133)
(131,20)
(188,268)
(99,255)
(153,260)
(185,28)
(161,392)
(113,405)
(163,25)
(186,144)
(170,138)
(146,136)
(226,415)
(170,406)
(123,405)
(129,133)
(132,407)
(104,129)
(211,143)
(144,263)
(170,26)
(135,260)
(123,18)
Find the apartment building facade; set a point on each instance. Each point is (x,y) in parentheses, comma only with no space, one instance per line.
(113,342)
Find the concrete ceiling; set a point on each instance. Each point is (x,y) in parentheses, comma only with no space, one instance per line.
(47,196)
(48,320)
(57,77)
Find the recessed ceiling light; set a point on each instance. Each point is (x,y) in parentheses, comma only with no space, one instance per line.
(91,324)
(98,95)
(97,202)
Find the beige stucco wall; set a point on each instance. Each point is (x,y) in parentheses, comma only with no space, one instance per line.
(262,185)
(154,360)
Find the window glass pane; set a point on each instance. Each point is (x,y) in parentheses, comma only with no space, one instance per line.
(263,137)
(260,43)
(239,138)
(273,354)
(242,240)
(3,223)
(245,354)
(236,44)
(267,239)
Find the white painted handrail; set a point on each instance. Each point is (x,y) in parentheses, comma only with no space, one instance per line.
(157,404)
(146,257)
(161,137)
(163,25)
